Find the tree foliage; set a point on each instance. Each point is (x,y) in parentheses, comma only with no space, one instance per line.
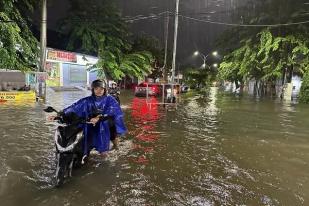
(18,46)
(151,44)
(264,52)
(96,27)
(304,91)
(197,77)
(93,24)
(265,59)
(136,64)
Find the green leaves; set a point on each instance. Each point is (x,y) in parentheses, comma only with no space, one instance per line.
(100,30)
(304,90)
(132,64)
(92,25)
(262,53)
(266,58)
(18,47)
(197,77)
(151,44)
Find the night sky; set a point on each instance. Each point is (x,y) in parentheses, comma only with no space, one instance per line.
(193,35)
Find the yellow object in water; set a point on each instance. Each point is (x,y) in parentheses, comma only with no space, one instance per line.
(17,96)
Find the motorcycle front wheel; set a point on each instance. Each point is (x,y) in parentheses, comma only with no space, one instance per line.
(60,169)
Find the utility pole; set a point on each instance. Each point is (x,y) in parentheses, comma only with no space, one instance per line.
(175,41)
(164,72)
(175,45)
(43,39)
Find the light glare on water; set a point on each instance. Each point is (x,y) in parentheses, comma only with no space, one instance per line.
(220,150)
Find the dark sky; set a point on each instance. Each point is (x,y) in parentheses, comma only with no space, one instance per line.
(193,35)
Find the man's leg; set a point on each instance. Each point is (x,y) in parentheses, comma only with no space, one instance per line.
(113,137)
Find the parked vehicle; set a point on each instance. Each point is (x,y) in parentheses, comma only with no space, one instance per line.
(153,89)
(168,88)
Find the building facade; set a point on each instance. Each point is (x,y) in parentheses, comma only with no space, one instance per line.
(69,69)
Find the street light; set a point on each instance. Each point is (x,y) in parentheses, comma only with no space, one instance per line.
(204,57)
(214,53)
(215,65)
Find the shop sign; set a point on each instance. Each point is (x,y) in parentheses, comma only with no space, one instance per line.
(61,56)
(17,96)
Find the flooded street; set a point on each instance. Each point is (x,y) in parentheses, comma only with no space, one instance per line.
(220,150)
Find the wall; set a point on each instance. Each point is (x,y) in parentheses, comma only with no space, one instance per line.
(11,80)
(74,75)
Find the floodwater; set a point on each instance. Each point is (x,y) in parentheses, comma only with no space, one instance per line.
(219,150)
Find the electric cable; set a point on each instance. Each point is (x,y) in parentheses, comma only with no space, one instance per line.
(157,16)
(245,25)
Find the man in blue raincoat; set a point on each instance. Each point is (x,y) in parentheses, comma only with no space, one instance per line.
(96,108)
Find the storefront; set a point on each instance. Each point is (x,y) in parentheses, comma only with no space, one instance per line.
(69,69)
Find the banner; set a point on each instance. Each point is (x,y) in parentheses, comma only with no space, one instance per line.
(17,96)
(61,56)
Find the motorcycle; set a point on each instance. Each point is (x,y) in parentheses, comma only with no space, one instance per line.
(116,96)
(114,92)
(68,142)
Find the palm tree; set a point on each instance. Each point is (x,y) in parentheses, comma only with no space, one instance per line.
(96,27)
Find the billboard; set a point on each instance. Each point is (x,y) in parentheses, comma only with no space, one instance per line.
(61,56)
(53,74)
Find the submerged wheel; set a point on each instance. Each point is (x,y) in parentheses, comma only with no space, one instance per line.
(60,170)
(77,162)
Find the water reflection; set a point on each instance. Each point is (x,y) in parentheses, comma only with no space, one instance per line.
(215,150)
(144,116)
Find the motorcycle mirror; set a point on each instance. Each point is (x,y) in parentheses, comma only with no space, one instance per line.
(49,109)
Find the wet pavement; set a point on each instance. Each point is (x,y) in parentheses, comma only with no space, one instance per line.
(216,150)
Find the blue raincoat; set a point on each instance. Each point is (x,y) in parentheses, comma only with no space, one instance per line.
(98,136)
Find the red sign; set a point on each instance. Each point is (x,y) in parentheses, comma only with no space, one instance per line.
(41,76)
(61,56)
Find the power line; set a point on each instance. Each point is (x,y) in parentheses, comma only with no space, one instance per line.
(218,23)
(129,20)
(245,25)
(140,17)
(157,16)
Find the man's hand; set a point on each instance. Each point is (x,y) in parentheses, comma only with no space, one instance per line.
(51,118)
(94,120)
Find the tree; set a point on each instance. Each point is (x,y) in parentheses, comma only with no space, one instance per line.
(136,64)
(144,42)
(18,46)
(264,53)
(197,77)
(265,59)
(304,90)
(96,27)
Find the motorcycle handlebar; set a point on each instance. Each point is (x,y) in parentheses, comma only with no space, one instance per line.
(72,118)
